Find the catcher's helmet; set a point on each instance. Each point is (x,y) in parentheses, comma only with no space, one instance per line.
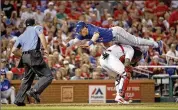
(137,52)
(30,22)
(80,25)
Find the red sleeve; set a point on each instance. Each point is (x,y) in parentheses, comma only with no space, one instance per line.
(166,8)
(151,64)
(116,14)
(14,70)
(146,4)
(171,19)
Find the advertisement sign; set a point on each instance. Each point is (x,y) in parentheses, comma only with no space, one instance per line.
(133,91)
(97,94)
(67,93)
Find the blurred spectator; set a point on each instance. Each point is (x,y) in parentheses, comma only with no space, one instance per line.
(7,8)
(155,62)
(85,71)
(108,23)
(49,38)
(96,75)
(93,10)
(72,56)
(93,59)
(171,35)
(57,59)
(4,65)
(24,2)
(28,13)
(118,13)
(51,64)
(7,91)
(171,71)
(60,13)
(59,75)
(94,20)
(160,9)
(50,10)
(77,75)
(172,53)
(173,19)
(100,73)
(8,35)
(150,5)
(39,16)
(14,19)
(104,5)
(69,67)
(174,4)
(133,10)
(64,74)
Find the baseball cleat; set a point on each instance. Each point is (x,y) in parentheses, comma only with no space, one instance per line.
(31,93)
(121,100)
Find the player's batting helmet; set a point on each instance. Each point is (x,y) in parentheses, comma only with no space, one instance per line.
(80,25)
(30,22)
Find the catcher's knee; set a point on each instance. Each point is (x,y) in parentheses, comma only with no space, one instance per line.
(126,75)
(128,71)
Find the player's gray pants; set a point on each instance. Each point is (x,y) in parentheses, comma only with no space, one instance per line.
(123,37)
(8,93)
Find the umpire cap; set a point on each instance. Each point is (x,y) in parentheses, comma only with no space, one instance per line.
(30,22)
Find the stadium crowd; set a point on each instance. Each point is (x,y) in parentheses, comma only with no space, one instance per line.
(150,19)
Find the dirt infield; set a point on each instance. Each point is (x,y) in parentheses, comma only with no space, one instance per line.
(84,106)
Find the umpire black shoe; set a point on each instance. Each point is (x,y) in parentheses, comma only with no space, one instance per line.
(32,93)
(20,103)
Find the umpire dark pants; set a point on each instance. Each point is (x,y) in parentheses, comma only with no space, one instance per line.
(34,64)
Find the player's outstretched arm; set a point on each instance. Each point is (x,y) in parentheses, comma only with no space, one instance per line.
(72,42)
(94,38)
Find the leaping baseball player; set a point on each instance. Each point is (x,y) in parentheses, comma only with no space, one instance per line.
(116,60)
(105,35)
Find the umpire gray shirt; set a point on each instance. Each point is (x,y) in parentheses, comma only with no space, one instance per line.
(29,39)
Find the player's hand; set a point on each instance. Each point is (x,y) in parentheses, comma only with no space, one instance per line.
(128,69)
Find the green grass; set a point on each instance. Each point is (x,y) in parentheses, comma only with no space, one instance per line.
(62,106)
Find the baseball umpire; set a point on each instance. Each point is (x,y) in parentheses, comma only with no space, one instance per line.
(32,60)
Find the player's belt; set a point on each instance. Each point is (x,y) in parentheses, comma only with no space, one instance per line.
(30,51)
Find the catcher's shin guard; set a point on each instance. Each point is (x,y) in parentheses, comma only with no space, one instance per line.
(124,82)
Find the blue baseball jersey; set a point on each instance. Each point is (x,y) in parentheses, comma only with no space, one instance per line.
(5,85)
(29,39)
(105,34)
